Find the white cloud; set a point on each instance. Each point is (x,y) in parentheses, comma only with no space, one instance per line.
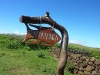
(82,42)
(2,31)
(74,41)
(14,32)
(18,33)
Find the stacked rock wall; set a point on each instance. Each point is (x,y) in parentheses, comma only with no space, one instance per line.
(83,65)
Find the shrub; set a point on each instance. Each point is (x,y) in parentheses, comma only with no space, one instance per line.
(70,67)
(41,55)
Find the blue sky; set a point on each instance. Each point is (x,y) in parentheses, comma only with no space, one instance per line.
(81,18)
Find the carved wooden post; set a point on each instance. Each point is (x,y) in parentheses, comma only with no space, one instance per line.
(64,42)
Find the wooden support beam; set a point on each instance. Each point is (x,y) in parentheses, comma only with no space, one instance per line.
(64,42)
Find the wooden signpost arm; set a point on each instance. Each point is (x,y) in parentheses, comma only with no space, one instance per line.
(64,42)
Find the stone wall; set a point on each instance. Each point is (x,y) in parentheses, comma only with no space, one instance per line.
(83,65)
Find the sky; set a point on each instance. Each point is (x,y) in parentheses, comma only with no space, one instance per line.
(81,18)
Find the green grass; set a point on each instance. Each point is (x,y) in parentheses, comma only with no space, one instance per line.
(23,62)
(23,59)
(89,51)
(93,52)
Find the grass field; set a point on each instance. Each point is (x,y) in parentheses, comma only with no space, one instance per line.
(90,51)
(23,59)
(24,62)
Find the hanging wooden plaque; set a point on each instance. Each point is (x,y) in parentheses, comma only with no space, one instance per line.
(42,34)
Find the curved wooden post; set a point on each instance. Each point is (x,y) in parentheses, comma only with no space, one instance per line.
(64,42)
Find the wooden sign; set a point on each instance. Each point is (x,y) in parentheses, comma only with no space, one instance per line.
(43,34)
